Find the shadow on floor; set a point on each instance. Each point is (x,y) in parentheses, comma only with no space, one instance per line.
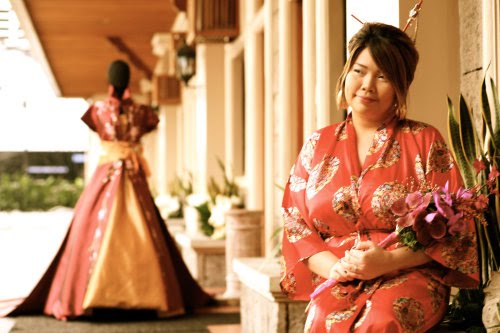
(133,323)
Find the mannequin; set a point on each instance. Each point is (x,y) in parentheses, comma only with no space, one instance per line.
(118,253)
(119,77)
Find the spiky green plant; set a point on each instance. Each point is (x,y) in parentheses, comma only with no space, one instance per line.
(472,143)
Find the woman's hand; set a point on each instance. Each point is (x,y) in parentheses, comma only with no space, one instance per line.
(340,272)
(367,261)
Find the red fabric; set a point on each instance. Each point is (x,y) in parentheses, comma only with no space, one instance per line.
(62,289)
(329,197)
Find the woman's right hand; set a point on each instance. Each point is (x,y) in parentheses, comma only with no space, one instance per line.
(339,272)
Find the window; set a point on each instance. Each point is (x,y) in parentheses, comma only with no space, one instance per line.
(386,11)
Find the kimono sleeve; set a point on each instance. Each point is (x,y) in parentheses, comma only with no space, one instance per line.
(89,118)
(300,238)
(150,121)
(458,254)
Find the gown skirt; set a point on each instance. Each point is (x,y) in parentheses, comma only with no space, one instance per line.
(117,254)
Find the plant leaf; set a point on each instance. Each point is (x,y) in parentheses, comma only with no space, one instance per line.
(456,147)
(486,112)
(496,104)
(467,132)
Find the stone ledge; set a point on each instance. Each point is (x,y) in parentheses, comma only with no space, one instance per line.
(204,257)
(201,243)
(260,274)
(263,307)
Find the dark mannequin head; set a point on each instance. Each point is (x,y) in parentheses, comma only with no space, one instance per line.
(119,76)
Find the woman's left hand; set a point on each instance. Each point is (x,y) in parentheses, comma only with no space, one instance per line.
(367,261)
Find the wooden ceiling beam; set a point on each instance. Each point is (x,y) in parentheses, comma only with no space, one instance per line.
(132,56)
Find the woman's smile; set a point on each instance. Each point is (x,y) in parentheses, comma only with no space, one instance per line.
(366,99)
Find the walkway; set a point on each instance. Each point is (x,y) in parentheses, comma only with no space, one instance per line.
(28,242)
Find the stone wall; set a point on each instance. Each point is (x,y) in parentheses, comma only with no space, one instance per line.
(471,52)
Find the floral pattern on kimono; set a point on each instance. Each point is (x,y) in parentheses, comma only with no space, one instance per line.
(342,198)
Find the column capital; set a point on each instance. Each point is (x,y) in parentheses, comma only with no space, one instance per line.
(162,42)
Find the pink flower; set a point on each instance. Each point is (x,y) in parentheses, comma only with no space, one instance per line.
(447,195)
(437,228)
(399,207)
(442,206)
(420,228)
(493,174)
(406,221)
(464,193)
(417,202)
(479,165)
(481,203)
(428,229)
(436,225)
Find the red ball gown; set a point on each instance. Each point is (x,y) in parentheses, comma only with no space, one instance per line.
(118,253)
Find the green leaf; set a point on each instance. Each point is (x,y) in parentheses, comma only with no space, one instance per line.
(456,147)
(486,112)
(467,132)
(496,104)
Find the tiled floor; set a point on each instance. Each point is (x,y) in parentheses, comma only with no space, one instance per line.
(33,239)
(224,328)
(224,307)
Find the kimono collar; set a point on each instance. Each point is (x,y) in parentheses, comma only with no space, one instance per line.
(380,139)
(111,90)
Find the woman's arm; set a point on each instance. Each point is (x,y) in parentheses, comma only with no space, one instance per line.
(369,260)
(328,266)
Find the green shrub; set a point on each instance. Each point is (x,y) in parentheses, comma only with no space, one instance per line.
(25,193)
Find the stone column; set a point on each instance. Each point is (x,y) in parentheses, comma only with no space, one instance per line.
(270,147)
(254,121)
(166,147)
(309,68)
(209,113)
(287,102)
(244,238)
(330,58)
(491,37)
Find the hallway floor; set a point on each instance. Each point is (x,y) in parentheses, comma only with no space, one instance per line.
(28,241)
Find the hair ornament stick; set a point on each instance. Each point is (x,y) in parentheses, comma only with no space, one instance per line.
(413,14)
(357,19)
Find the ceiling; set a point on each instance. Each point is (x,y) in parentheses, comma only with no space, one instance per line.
(80,38)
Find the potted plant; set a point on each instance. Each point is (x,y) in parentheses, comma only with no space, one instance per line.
(210,208)
(475,144)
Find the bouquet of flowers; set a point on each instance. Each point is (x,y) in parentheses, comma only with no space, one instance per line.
(434,215)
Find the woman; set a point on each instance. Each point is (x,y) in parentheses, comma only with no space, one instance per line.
(337,202)
(117,254)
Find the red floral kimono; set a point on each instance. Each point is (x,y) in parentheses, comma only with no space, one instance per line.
(117,253)
(330,198)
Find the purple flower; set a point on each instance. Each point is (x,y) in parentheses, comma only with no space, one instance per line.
(447,195)
(442,205)
(429,227)
(464,193)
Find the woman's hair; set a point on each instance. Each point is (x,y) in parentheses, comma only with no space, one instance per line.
(119,76)
(394,53)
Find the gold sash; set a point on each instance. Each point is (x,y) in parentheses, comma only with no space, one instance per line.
(123,150)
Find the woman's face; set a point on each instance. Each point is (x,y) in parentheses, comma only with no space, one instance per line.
(368,91)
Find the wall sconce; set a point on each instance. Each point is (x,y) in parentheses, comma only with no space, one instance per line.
(186,62)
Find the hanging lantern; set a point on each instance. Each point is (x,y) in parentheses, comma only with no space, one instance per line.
(186,62)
